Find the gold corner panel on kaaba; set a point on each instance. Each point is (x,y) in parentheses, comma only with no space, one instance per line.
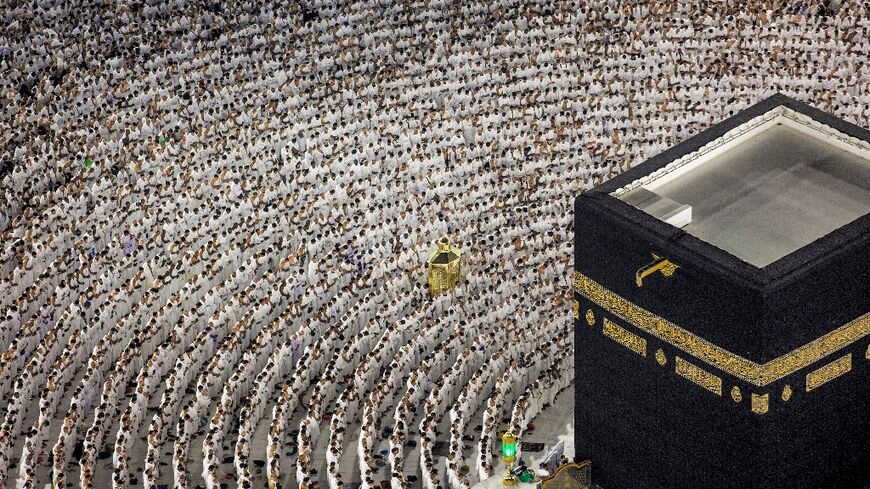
(757,378)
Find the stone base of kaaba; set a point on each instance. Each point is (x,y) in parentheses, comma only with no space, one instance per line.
(646,428)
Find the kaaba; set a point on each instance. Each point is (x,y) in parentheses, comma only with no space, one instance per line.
(722,309)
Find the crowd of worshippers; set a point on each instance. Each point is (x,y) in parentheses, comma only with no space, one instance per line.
(216,217)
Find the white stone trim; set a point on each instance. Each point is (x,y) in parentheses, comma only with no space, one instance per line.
(778,115)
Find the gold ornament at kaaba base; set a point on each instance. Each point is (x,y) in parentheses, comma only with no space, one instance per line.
(760,403)
(445,267)
(736,394)
(867,355)
(570,476)
(575,309)
(660,357)
(590,317)
(786,393)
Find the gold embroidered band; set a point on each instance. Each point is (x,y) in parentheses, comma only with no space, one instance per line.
(625,338)
(698,375)
(829,372)
(730,363)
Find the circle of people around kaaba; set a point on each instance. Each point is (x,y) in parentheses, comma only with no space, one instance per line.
(216,215)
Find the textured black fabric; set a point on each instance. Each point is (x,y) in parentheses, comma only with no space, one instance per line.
(643,426)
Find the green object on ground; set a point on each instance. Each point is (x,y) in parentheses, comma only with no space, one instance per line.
(89,162)
(527,476)
(163,141)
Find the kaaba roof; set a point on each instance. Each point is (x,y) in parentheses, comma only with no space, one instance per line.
(766,188)
(757,189)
